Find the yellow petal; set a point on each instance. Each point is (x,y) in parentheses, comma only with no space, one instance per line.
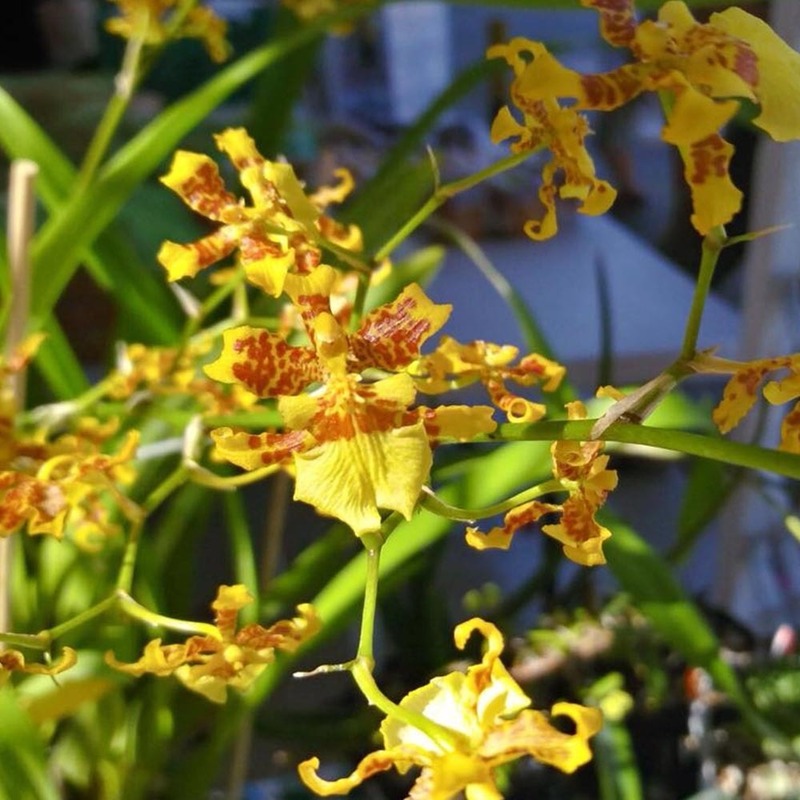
(778,70)
(351,478)
(714,197)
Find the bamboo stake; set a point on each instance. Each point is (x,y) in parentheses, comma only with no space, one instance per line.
(21,216)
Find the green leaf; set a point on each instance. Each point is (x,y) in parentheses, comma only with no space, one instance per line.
(615,763)
(419,267)
(59,365)
(142,295)
(655,591)
(58,246)
(23,758)
(709,485)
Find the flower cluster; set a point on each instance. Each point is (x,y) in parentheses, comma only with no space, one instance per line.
(157,21)
(486,722)
(46,482)
(145,372)
(698,69)
(279,238)
(582,470)
(226,656)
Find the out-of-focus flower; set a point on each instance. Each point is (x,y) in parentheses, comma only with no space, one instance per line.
(45,481)
(700,68)
(581,470)
(355,443)
(279,237)
(209,664)
(154,22)
(14,661)
(487,715)
(547,125)
(741,391)
(453,365)
(170,371)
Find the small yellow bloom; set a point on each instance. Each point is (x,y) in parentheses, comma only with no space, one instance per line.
(278,236)
(546,124)
(176,372)
(453,365)
(45,482)
(14,661)
(152,21)
(582,471)
(209,664)
(355,443)
(741,392)
(702,67)
(487,715)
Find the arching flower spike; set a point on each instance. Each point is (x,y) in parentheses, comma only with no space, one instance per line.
(488,715)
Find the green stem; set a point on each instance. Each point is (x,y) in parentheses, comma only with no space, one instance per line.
(157,496)
(124,85)
(358,303)
(361,669)
(693,444)
(80,619)
(367,632)
(713,243)
(30,640)
(444,193)
(130,607)
(430,502)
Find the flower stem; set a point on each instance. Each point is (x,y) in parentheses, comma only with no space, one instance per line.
(430,502)
(444,193)
(693,444)
(713,243)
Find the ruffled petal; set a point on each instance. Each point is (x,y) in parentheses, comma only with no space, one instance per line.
(351,478)
(778,66)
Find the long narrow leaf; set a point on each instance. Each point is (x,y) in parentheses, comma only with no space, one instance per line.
(57,248)
(111,262)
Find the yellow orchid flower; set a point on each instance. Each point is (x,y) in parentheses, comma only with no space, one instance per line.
(14,661)
(355,444)
(277,236)
(582,471)
(740,393)
(209,664)
(702,67)
(491,725)
(45,482)
(150,21)
(175,371)
(453,365)
(546,124)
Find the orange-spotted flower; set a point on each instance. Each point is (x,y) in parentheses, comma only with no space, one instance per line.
(355,444)
(700,69)
(171,371)
(453,365)
(487,716)
(44,484)
(581,470)
(45,481)
(14,661)
(278,236)
(155,22)
(546,124)
(741,391)
(225,656)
